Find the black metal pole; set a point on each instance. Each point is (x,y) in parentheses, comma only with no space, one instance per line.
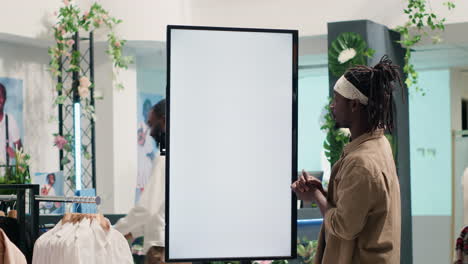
(76,97)
(93,132)
(20,201)
(76,74)
(60,109)
(34,205)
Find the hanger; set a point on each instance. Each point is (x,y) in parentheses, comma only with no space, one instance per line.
(13,214)
(74,218)
(67,216)
(78,206)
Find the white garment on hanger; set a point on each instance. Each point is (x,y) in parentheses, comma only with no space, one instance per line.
(118,247)
(147,218)
(58,244)
(100,246)
(44,242)
(39,246)
(84,249)
(85,242)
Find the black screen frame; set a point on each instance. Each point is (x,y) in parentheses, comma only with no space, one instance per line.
(294,139)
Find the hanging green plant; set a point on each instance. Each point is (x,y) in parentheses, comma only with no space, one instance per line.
(72,20)
(426,23)
(347,50)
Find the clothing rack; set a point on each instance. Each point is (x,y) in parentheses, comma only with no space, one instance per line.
(70,199)
(24,196)
(27,200)
(8,198)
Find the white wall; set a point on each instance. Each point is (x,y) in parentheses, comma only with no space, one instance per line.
(125,149)
(105,179)
(31,18)
(116,149)
(431,167)
(30,65)
(148,19)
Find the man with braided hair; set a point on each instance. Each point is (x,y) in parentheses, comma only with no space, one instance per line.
(361,210)
(147,218)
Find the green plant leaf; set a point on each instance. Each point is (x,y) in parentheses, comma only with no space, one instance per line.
(60,99)
(347,40)
(65,161)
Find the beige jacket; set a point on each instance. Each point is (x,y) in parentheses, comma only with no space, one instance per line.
(9,253)
(363,225)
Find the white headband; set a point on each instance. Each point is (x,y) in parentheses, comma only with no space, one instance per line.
(348,90)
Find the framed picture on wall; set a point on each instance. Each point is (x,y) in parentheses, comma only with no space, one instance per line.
(11,118)
(51,184)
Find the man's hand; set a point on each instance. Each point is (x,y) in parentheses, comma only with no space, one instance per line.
(313,182)
(307,187)
(303,189)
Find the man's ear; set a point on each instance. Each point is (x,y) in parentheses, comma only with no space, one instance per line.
(355,105)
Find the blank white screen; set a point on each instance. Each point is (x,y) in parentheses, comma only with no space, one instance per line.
(230,144)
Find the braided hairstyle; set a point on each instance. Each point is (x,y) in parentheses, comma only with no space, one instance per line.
(157,131)
(160,109)
(378,84)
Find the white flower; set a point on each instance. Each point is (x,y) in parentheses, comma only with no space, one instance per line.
(83,91)
(20,156)
(70,42)
(345,131)
(85,82)
(346,55)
